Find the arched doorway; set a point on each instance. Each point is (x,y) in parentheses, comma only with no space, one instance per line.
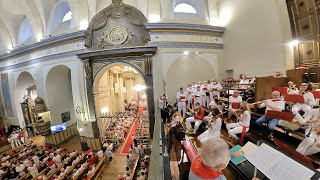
(25,94)
(119,87)
(184,72)
(59,95)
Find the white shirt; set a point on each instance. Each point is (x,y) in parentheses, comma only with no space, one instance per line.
(213,104)
(91,172)
(244,81)
(181,97)
(246,121)
(33,170)
(215,129)
(162,104)
(274,104)
(233,99)
(189,92)
(108,153)
(308,97)
(36,160)
(57,159)
(20,168)
(216,86)
(198,94)
(100,154)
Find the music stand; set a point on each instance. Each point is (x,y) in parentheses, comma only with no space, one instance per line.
(286,116)
(294,98)
(292,152)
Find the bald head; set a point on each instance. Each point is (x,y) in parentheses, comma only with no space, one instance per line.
(275,94)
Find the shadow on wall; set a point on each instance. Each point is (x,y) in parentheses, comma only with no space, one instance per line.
(185,70)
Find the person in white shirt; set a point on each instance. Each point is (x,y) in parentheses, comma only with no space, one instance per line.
(194,86)
(26,162)
(306,107)
(181,98)
(36,159)
(235,98)
(311,144)
(128,162)
(100,154)
(20,169)
(206,94)
(163,104)
(244,80)
(57,159)
(198,94)
(109,155)
(214,129)
(243,122)
(292,89)
(189,92)
(215,89)
(91,171)
(33,170)
(274,104)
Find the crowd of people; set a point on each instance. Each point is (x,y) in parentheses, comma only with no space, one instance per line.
(17,137)
(199,96)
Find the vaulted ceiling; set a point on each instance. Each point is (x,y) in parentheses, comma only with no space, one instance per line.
(23,22)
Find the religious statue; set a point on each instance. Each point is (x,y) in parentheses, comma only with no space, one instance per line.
(118,24)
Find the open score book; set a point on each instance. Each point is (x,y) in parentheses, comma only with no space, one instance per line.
(276,165)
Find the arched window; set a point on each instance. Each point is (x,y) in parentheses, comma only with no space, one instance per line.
(60,18)
(25,31)
(185,8)
(67,17)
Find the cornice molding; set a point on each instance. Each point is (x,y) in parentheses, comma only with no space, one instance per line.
(53,41)
(118,52)
(182,27)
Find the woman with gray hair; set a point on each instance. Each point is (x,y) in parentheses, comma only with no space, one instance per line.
(214,157)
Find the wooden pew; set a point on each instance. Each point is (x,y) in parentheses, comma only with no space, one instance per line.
(98,168)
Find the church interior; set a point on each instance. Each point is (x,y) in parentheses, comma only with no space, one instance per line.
(159,89)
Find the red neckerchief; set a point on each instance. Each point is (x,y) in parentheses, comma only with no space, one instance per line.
(234,96)
(275,100)
(203,171)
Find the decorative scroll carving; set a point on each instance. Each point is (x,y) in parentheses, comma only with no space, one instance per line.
(96,67)
(87,67)
(137,64)
(117,25)
(148,66)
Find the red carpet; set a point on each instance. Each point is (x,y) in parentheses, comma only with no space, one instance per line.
(126,146)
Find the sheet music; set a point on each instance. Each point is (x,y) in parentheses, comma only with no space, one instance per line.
(277,166)
(249,149)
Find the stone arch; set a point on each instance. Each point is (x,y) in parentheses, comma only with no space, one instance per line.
(107,98)
(184,72)
(24,80)
(55,24)
(58,85)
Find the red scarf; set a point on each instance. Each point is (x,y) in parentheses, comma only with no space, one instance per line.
(234,96)
(203,171)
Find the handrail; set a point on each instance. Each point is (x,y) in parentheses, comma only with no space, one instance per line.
(159,168)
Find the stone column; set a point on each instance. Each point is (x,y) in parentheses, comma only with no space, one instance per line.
(90,132)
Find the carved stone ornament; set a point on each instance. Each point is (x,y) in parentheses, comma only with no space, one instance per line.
(118,25)
(39,106)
